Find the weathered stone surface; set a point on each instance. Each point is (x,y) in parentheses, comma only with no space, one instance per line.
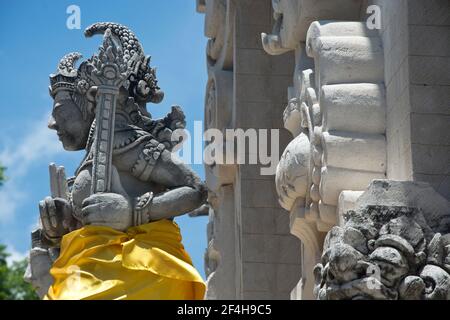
(373,104)
(345,107)
(292,175)
(346,202)
(335,180)
(37,272)
(329,108)
(220,261)
(432,12)
(293,17)
(256,249)
(365,152)
(408,194)
(391,247)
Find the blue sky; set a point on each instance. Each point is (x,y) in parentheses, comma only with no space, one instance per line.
(34,37)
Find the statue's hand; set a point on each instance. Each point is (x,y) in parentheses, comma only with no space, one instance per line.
(107,209)
(56,217)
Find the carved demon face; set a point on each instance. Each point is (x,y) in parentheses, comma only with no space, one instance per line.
(68,121)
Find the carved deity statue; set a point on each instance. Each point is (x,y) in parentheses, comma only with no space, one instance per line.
(108,233)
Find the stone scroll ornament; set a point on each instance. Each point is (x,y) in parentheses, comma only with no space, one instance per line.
(385,252)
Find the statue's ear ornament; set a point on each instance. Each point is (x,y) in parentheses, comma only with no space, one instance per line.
(82,86)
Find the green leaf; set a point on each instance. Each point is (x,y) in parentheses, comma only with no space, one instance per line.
(12,284)
(2,175)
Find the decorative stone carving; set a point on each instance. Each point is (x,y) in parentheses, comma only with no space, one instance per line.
(293,172)
(218,105)
(388,250)
(293,18)
(305,228)
(295,116)
(345,153)
(329,108)
(292,117)
(219,28)
(219,19)
(220,253)
(346,106)
(218,115)
(351,56)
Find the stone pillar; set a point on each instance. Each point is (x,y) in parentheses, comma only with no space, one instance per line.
(220,256)
(336,112)
(251,254)
(361,105)
(220,266)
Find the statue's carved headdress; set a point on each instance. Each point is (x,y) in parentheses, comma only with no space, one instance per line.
(141,84)
(122,51)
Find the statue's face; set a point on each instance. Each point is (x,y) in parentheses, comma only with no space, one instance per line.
(67,120)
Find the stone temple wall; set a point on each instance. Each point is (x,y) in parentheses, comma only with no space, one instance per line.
(429,90)
(368,116)
(251,253)
(416,45)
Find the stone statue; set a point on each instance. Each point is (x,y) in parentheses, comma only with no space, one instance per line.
(127,189)
(396,249)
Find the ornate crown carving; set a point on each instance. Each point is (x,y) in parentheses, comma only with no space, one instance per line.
(66,73)
(141,83)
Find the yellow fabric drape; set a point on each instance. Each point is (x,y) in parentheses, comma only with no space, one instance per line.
(146,262)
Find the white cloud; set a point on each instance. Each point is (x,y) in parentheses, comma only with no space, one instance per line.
(14,255)
(10,197)
(38,143)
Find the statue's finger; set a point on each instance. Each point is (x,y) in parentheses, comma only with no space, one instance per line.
(87,214)
(91,200)
(44,215)
(51,211)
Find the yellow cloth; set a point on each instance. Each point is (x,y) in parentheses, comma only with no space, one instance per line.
(146,262)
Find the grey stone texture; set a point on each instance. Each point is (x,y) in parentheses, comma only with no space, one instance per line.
(416,39)
(261,83)
(361,105)
(394,245)
(251,231)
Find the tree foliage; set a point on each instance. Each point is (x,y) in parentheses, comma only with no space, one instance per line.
(3,273)
(2,174)
(12,285)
